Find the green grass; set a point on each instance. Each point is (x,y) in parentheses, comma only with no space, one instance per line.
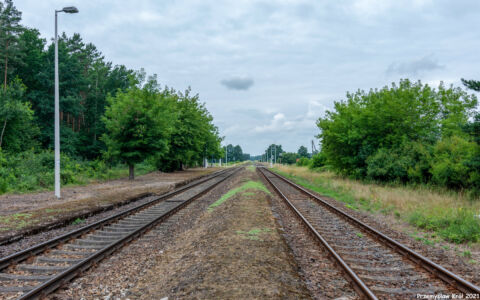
(458,226)
(338,194)
(251,168)
(15,221)
(467,254)
(250,185)
(254,233)
(31,171)
(78,221)
(359,234)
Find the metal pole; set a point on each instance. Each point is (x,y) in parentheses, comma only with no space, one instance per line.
(275,154)
(57,116)
(271,158)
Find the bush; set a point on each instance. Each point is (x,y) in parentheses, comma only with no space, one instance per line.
(388,165)
(450,166)
(303,162)
(318,160)
(30,170)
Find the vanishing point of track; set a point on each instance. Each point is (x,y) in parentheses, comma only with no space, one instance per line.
(376,265)
(41,269)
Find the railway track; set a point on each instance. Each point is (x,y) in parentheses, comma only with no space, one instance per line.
(41,269)
(377,266)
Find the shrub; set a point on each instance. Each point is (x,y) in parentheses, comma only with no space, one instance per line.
(450,163)
(303,162)
(318,160)
(30,170)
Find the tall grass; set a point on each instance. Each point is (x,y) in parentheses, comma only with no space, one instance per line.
(454,216)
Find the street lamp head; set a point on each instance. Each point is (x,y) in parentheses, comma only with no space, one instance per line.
(70,10)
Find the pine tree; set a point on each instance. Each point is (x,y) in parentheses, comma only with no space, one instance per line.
(10,29)
(472,84)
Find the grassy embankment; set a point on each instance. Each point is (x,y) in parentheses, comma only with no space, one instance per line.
(444,215)
(30,172)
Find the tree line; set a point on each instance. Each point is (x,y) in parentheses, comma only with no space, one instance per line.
(276,153)
(235,153)
(107,112)
(407,132)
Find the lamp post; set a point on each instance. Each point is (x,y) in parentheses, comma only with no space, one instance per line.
(69,10)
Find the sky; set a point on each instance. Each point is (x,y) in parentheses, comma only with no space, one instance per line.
(267,70)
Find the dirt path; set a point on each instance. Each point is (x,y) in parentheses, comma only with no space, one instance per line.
(25,212)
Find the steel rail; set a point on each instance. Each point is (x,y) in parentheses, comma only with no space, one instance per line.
(432,267)
(25,254)
(70,273)
(358,283)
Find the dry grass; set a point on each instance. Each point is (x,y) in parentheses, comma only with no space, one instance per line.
(420,206)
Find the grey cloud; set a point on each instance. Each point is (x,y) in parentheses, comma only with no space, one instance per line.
(414,67)
(238,83)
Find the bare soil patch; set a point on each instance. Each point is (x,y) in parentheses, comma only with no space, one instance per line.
(23,213)
(233,252)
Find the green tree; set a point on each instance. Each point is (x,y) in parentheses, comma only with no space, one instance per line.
(387,118)
(274,151)
(289,158)
(302,151)
(194,135)
(9,42)
(318,160)
(17,131)
(449,165)
(138,124)
(237,153)
(472,84)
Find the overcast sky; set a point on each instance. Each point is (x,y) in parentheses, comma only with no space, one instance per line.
(268,69)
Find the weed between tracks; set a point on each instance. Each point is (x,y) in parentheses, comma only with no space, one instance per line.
(448,216)
(249,185)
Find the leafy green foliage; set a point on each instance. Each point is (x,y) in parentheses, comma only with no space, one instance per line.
(31,170)
(193,137)
(138,124)
(10,29)
(289,158)
(137,120)
(273,151)
(17,131)
(318,161)
(404,133)
(457,226)
(449,165)
(303,151)
(303,162)
(472,84)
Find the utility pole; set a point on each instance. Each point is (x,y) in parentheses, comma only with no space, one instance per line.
(314,149)
(271,157)
(69,10)
(275,154)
